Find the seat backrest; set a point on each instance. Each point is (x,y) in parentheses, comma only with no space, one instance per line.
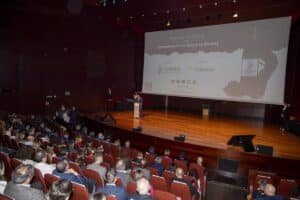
(149,158)
(181,190)
(131,187)
(166,162)
(7,165)
(106,147)
(92,174)
(153,171)
(159,183)
(133,153)
(76,167)
(286,187)
(115,150)
(5,197)
(14,144)
(181,164)
(109,159)
(164,195)
(119,182)
(106,165)
(50,179)
(79,192)
(169,176)
(111,197)
(38,177)
(88,160)
(15,163)
(268,178)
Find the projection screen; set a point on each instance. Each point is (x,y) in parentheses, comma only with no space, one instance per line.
(243,61)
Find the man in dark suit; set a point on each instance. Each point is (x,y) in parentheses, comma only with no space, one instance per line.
(143,189)
(111,189)
(19,187)
(179,178)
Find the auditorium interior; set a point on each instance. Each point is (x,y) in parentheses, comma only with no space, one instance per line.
(76,67)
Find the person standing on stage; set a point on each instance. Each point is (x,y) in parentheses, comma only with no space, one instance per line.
(285,116)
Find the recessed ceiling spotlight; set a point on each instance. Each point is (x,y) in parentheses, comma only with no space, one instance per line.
(131,17)
(183,9)
(200,6)
(142,15)
(234,1)
(235,14)
(216,3)
(168,11)
(125,0)
(168,24)
(154,13)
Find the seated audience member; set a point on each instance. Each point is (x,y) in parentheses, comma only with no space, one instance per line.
(100,136)
(65,172)
(123,172)
(111,189)
(127,144)
(167,157)
(142,167)
(19,187)
(296,193)
(40,157)
(270,193)
(98,196)
(60,190)
(151,150)
(158,165)
(98,159)
(259,192)
(196,180)
(179,178)
(139,157)
(78,142)
(143,189)
(117,142)
(199,161)
(3,181)
(182,157)
(71,146)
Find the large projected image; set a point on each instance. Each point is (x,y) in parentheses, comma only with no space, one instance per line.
(238,62)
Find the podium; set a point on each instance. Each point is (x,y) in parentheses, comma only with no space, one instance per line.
(137,110)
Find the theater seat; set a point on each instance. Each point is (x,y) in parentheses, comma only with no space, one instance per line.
(15,163)
(159,183)
(92,174)
(164,195)
(181,190)
(169,176)
(149,158)
(131,187)
(79,192)
(181,164)
(111,197)
(8,168)
(50,179)
(5,197)
(286,187)
(38,177)
(76,167)
(153,171)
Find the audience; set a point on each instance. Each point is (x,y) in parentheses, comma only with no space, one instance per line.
(98,196)
(96,165)
(3,181)
(60,190)
(19,186)
(269,193)
(111,189)
(64,171)
(123,172)
(40,157)
(143,190)
(179,178)
(142,167)
(158,165)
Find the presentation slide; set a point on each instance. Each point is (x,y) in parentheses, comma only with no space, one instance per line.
(243,61)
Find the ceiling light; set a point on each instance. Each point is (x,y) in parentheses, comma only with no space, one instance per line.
(154,13)
(216,3)
(234,1)
(142,15)
(200,6)
(168,24)
(235,14)
(183,9)
(168,11)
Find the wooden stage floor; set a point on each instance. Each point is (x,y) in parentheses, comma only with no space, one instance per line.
(210,132)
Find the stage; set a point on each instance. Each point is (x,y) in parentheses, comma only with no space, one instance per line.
(212,132)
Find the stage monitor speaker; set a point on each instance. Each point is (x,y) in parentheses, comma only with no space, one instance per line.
(264,150)
(228,165)
(242,140)
(137,129)
(179,138)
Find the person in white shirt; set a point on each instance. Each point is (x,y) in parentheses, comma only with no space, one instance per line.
(3,181)
(98,157)
(40,157)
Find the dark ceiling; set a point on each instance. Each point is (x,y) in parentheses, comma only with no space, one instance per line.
(143,15)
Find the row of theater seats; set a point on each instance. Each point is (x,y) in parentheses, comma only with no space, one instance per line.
(285,186)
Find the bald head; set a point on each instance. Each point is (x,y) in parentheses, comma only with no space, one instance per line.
(270,190)
(142,186)
(179,173)
(199,160)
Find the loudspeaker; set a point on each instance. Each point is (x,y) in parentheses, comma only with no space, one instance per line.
(137,129)
(228,165)
(179,138)
(264,150)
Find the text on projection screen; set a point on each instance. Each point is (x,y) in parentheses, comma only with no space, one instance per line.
(237,62)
